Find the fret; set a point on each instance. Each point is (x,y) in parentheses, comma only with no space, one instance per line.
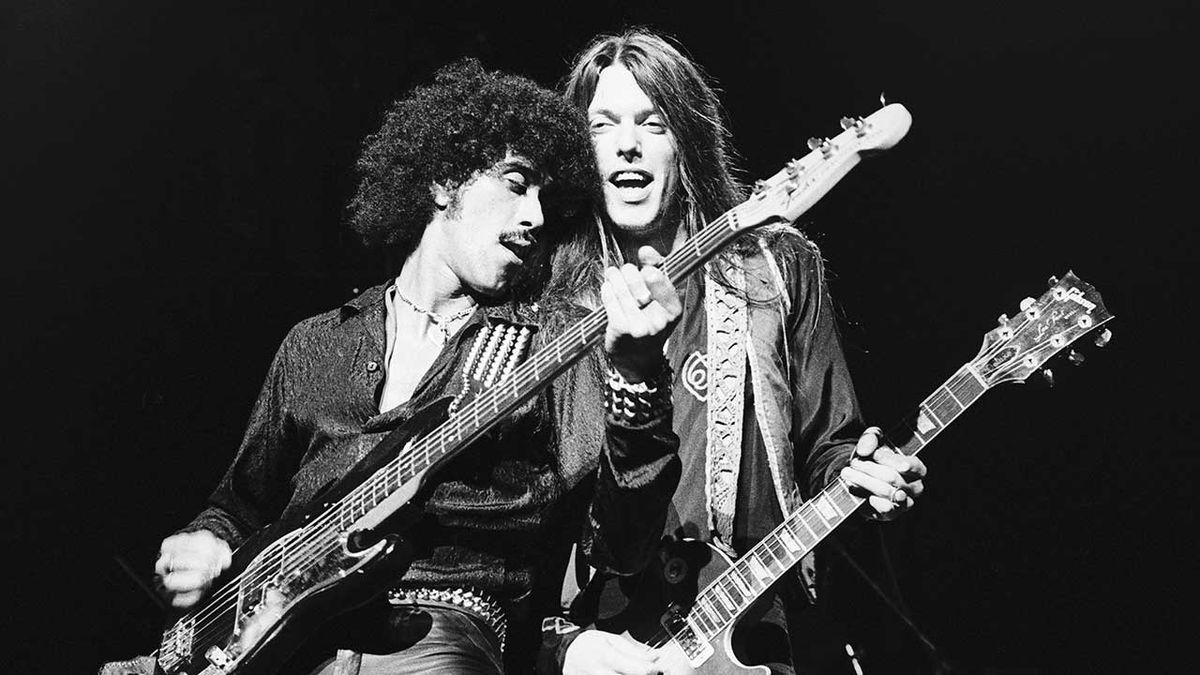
(799,518)
(970,368)
(760,570)
(807,541)
(736,595)
(781,552)
(721,595)
(790,542)
(740,583)
(826,508)
(768,557)
(846,500)
(969,389)
(950,391)
(817,525)
(932,410)
(703,619)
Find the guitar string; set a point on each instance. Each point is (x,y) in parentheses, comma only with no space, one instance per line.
(708,601)
(708,604)
(358,493)
(702,240)
(770,541)
(318,544)
(845,502)
(772,185)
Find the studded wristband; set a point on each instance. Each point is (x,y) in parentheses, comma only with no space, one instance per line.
(641,402)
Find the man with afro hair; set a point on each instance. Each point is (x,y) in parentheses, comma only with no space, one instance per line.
(467,185)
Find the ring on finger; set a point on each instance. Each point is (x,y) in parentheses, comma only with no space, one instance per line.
(899,496)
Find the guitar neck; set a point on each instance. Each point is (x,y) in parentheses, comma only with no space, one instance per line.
(731,593)
(477,416)
(784,196)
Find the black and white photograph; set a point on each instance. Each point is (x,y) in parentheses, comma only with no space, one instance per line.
(603,338)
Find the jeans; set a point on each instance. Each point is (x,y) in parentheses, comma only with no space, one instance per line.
(447,641)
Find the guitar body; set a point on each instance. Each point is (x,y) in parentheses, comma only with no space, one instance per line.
(688,603)
(282,588)
(347,582)
(303,571)
(636,606)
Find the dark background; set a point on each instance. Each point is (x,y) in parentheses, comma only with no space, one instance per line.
(177,177)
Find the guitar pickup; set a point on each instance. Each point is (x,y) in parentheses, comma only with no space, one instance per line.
(695,647)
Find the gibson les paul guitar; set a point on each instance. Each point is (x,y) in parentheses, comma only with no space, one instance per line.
(688,606)
(290,578)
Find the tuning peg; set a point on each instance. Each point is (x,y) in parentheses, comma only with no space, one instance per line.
(759,186)
(856,123)
(821,144)
(1002,320)
(1027,303)
(1075,358)
(1052,281)
(882,98)
(1103,337)
(1048,375)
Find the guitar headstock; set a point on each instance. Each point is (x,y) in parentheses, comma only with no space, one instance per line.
(794,189)
(1020,345)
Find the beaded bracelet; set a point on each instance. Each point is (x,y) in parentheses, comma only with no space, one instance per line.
(641,402)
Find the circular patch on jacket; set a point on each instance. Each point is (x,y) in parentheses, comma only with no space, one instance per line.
(695,375)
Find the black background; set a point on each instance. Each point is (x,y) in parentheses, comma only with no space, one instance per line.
(177,178)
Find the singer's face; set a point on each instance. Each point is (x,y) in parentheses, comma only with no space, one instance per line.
(635,151)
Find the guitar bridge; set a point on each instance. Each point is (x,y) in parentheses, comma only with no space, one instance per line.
(692,643)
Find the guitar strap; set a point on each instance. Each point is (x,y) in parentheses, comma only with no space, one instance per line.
(740,335)
(725,310)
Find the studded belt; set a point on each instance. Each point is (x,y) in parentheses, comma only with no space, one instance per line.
(472,601)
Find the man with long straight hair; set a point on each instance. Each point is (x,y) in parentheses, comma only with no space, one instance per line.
(468,183)
(764,404)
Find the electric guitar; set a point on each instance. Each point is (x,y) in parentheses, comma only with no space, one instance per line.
(287,580)
(688,602)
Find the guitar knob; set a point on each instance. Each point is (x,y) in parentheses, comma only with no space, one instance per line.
(1051,281)
(675,570)
(847,122)
(1027,303)
(1103,338)
(1048,375)
(1075,358)
(814,143)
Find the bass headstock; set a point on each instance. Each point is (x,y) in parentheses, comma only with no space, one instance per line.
(802,182)
(1022,344)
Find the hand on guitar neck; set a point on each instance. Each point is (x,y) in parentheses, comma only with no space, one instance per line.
(888,479)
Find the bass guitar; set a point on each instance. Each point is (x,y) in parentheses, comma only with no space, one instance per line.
(287,580)
(688,603)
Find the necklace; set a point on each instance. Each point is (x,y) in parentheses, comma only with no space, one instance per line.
(439,321)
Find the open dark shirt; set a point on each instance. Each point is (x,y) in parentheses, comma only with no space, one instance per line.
(499,514)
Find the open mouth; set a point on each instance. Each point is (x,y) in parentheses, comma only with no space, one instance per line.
(631,179)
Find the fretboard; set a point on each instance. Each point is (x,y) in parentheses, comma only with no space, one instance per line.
(731,593)
(478,415)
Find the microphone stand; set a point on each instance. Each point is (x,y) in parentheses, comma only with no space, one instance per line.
(943,667)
